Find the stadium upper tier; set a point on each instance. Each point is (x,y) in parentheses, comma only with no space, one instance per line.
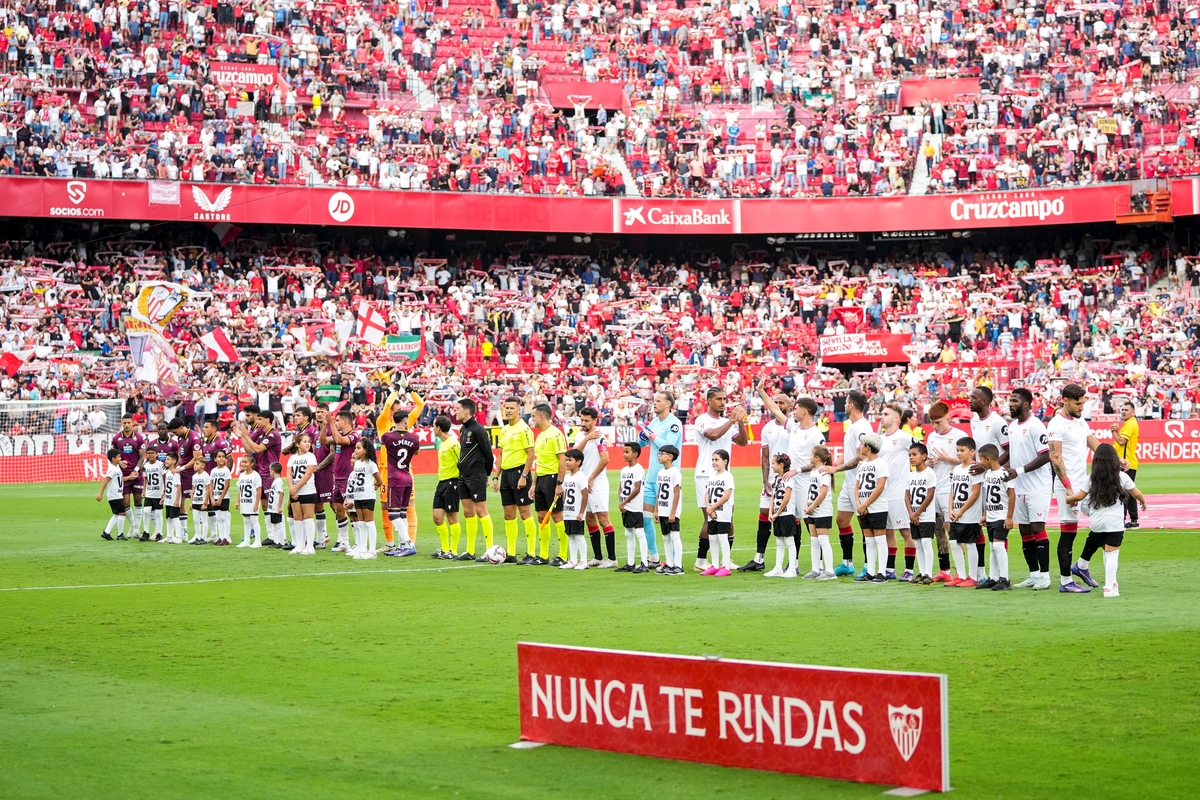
(720,99)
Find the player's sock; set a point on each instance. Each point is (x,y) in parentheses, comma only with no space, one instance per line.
(650,534)
(927,546)
(372,536)
(956,552)
(135,520)
(400,526)
(455,535)
(561,529)
(677,548)
(791,553)
(943,560)
(1066,540)
(246,529)
(702,549)
(443,534)
(826,553)
(530,535)
(981,550)
(544,541)
(869,546)
(726,560)
(814,551)
(972,562)
(630,546)
(510,535)
(485,524)
(594,535)
(764,536)
(470,527)
(343,531)
(1029,550)
(1042,540)
(321,525)
(910,555)
(181,520)
(846,540)
(999,561)
(881,553)
(121,525)
(891,558)
(640,535)
(780,553)
(412,524)
(388,531)
(112,524)
(610,543)
(1110,568)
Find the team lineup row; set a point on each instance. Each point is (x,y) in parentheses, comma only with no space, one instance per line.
(964,492)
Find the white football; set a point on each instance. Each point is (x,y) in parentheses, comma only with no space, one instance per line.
(496,554)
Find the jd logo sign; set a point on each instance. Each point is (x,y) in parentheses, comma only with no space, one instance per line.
(341,207)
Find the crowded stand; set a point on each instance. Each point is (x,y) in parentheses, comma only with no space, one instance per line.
(714,99)
(288,311)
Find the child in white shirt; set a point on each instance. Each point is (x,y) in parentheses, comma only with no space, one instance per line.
(112,488)
(249,501)
(575,503)
(670,493)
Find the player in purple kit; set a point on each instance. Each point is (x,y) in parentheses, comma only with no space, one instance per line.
(188,447)
(342,437)
(401,445)
(324,477)
(211,441)
(130,443)
(261,440)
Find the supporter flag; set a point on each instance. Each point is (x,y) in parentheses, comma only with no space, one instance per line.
(226,232)
(157,302)
(316,339)
(220,349)
(371,326)
(11,361)
(329,394)
(406,347)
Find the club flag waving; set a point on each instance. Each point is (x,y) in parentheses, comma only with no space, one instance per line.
(371,327)
(11,362)
(220,349)
(157,302)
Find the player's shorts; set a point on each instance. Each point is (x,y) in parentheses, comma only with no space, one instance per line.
(941,504)
(307,499)
(1031,508)
(785,526)
(924,530)
(965,532)
(172,512)
(224,505)
(668,527)
(543,493)
(510,495)
(823,523)
(473,487)
(154,503)
(845,499)
(574,527)
(764,501)
(185,482)
(876,520)
(701,482)
(445,496)
(598,495)
(1107,538)
(1065,512)
(800,495)
(399,496)
(898,517)
(719,528)
(996,531)
(632,519)
(324,482)
(133,484)
(366,505)
(275,519)
(339,492)
(117,506)
(649,491)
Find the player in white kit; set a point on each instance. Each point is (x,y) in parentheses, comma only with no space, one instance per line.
(774,438)
(714,431)
(942,444)
(987,427)
(896,442)
(1029,464)
(594,446)
(853,431)
(1070,440)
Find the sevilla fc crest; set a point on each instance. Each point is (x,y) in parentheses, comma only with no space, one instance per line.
(905,723)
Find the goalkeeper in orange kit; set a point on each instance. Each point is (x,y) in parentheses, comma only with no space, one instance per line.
(383,424)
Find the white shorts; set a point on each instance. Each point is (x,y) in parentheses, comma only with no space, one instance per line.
(846,501)
(248,511)
(941,502)
(898,518)
(701,490)
(598,495)
(1031,508)
(764,501)
(1066,513)
(800,495)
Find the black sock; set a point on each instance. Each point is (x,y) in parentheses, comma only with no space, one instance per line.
(1043,555)
(982,550)
(847,541)
(909,561)
(702,549)
(944,561)
(764,536)
(891,562)
(610,544)
(595,535)
(1029,550)
(864,544)
(1065,542)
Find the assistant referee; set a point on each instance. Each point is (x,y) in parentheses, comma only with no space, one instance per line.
(512,477)
(474,465)
(550,447)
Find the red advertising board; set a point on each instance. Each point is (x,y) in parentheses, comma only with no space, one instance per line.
(250,76)
(856,725)
(289,204)
(878,348)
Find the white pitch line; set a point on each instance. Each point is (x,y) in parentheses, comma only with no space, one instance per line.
(235,578)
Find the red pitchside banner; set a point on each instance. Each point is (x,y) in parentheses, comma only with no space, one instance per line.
(294,205)
(848,348)
(856,725)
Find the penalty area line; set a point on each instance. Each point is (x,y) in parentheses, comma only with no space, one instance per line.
(233,578)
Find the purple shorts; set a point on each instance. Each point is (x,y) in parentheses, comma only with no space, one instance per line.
(324,483)
(133,484)
(185,482)
(400,496)
(339,492)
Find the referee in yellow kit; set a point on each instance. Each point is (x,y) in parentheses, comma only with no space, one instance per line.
(1125,439)
(513,477)
(550,447)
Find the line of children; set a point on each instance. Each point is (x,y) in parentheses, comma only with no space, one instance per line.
(668,506)
(575,504)
(249,502)
(782,519)
(818,513)
(362,487)
(633,475)
(718,510)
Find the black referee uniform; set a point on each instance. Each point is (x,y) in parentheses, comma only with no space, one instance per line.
(475,461)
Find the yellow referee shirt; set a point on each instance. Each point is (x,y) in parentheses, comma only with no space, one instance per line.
(515,440)
(549,445)
(1128,451)
(448,457)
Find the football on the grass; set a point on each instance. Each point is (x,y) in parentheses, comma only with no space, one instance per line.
(496,554)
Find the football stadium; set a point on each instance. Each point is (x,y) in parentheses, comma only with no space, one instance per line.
(722,302)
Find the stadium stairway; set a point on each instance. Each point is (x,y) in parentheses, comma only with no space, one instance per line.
(921,177)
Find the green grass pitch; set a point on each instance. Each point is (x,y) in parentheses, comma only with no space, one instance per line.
(180,672)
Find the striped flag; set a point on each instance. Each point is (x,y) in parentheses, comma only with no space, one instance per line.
(371,324)
(220,349)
